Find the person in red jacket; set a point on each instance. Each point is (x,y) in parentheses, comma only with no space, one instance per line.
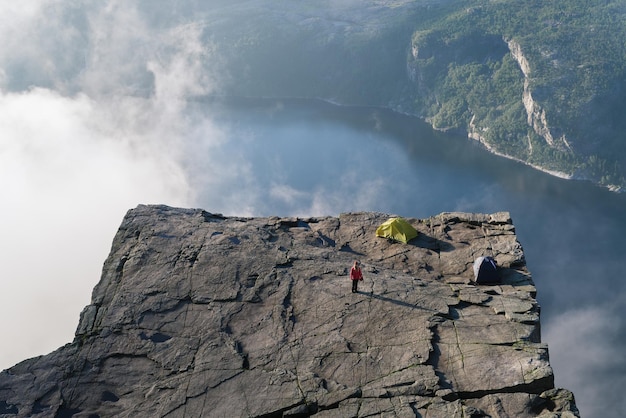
(356,275)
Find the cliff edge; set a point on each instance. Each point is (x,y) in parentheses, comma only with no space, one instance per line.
(197,314)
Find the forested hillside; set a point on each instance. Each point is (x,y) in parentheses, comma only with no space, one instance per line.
(543,82)
(467,78)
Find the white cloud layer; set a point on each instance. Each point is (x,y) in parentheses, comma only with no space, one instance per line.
(583,340)
(66,184)
(77,151)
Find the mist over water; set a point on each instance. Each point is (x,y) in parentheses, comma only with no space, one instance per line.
(104,106)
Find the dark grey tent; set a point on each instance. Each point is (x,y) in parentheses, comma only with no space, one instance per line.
(486,271)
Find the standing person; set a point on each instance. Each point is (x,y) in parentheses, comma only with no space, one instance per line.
(355,275)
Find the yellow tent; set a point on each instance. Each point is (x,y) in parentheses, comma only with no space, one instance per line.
(397,229)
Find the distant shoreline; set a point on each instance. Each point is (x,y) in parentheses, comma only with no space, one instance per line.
(485,145)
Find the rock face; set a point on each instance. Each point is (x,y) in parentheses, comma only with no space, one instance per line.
(536,115)
(197,314)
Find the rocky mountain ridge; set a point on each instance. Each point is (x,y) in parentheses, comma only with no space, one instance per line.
(198,314)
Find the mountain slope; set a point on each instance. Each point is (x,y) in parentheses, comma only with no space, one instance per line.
(536,81)
(541,82)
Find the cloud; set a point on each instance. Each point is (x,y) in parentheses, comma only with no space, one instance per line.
(286,193)
(583,339)
(42,44)
(65,185)
(81,145)
(350,192)
(353,191)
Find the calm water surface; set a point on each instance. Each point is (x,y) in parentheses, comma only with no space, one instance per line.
(297,157)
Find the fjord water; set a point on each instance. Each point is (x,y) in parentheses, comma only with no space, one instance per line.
(310,158)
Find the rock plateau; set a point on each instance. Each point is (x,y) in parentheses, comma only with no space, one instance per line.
(202,315)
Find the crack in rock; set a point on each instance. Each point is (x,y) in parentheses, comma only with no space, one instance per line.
(205,315)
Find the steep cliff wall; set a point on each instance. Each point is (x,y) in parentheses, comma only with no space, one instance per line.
(198,314)
(537,118)
(539,102)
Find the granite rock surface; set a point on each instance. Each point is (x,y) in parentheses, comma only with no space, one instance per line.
(202,315)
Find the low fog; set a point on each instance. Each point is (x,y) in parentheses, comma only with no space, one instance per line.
(100,110)
(93,121)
